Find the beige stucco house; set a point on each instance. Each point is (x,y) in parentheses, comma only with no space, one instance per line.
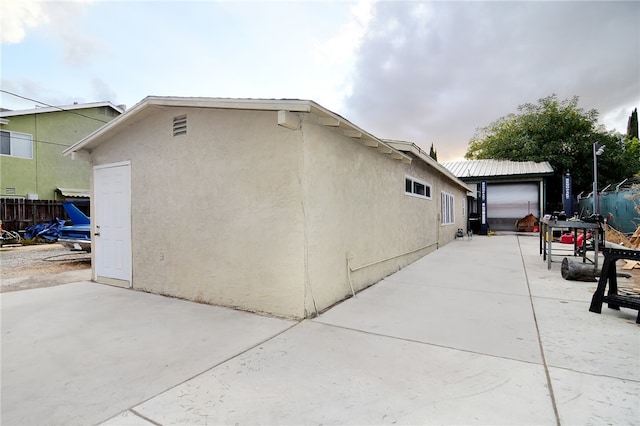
(273,206)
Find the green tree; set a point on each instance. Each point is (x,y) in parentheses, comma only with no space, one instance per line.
(632,124)
(560,132)
(433,153)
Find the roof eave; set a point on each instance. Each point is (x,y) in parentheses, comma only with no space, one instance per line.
(293,105)
(17,113)
(418,152)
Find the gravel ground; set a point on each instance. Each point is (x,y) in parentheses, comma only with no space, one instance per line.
(23,267)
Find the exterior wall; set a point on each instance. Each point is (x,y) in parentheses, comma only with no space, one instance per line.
(52,133)
(243,246)
(355,207)
(281,213)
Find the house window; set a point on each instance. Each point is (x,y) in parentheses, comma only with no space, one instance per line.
(447,208)
(416,188)
(180,125)
(16,144)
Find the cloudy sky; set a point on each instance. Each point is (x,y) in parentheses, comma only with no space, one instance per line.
(426,72)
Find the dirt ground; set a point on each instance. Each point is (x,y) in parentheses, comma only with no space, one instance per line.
(24,267)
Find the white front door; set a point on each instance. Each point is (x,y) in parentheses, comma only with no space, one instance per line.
(112,223)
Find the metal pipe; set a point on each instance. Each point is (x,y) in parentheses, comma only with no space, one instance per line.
(390,258)
(597,150)
(595,179)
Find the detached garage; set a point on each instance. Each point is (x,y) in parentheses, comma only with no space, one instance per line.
(274,206)
(514,189)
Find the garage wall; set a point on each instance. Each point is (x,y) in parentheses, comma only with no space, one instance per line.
(273,215)
(357,214)
(233,180)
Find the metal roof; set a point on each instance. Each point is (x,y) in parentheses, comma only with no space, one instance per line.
(74,192)
(495,168)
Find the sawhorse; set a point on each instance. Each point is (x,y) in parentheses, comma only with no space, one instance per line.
(608,274)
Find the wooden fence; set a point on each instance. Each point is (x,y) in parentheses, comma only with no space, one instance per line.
(18,213)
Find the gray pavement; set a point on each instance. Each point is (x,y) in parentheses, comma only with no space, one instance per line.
(478,332)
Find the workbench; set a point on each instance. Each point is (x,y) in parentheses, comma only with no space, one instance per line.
(546,237)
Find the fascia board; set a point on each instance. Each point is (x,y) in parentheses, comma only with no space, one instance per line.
(345,124)
(293,105)
(61,108)
(418,152)
(96,137)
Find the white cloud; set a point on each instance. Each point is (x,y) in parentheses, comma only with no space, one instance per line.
(17,16)
(337,54)
(60,19)
(341,47)
(81,51)
(432,72)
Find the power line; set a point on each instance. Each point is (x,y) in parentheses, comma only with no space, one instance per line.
(52,106)
(13,136)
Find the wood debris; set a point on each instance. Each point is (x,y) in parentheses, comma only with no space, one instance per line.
(629,291)
(614,236)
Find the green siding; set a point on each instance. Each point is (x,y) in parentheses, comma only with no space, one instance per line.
(52,133)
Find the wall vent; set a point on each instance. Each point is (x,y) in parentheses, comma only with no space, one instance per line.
(180,125)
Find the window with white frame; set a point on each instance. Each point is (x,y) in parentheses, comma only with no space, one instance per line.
(416,188)
(447,208)
(16,144)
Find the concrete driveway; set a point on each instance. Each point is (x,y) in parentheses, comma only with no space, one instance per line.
(478,332)
(80,353)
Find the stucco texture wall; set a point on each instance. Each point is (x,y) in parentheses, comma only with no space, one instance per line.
(244,213)
(356,208)
(216,213)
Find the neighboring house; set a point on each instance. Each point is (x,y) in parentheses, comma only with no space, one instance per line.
(274,206)
(31,162)
(514,189)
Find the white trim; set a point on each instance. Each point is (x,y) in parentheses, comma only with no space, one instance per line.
(62,108)
(447,208)
(420,182)
(106,166)
(422,155)
(16,136)
(324,116)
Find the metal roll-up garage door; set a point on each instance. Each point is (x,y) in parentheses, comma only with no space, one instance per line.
(508,202)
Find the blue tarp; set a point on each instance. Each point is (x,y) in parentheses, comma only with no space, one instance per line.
(47,231)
